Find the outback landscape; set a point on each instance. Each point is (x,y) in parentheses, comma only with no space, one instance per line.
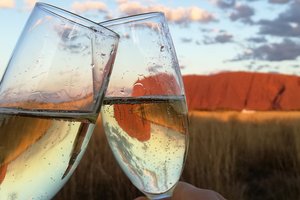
(244,142)
(240,66)
(239,155)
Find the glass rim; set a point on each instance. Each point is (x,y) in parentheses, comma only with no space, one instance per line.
(60,12)
(132,18)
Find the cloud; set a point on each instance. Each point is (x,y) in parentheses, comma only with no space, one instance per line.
(261,67)
(70,39)
(177,15)
(7,4)
(287,24)
(242,12)
(295,66)
(225,3)
(223,38)
(285,50)
(279,1)
(186,40)
(197,14)
(29,4)
(121,1)
(207,40)
(89,6)
(279,28)
(205,30)
(257,39)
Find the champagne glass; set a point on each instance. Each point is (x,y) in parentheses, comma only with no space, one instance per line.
(50,97)
(144,111)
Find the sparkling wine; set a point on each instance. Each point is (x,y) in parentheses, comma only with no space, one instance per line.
(148,138)
(38,154)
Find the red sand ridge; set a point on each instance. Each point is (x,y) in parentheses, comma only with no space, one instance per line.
(242,90)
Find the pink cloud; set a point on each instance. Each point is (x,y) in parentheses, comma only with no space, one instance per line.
(121,1)
(198,14)
(88,6)
(29,3)
(178,15)
(7,4)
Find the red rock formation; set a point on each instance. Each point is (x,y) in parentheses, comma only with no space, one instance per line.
(137,126)
(223,91)
(242,90)
(133,124)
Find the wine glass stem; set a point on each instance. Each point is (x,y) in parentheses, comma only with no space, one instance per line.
(164,195)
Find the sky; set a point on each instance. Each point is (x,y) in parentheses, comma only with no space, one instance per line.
(209,35)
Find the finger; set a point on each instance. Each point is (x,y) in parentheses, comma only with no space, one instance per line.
(187,191)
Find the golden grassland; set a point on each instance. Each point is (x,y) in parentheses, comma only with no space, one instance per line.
(243,156)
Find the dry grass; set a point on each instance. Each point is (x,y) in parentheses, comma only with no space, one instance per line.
(244,156)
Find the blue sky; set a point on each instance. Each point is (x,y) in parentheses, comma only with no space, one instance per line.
(209,35)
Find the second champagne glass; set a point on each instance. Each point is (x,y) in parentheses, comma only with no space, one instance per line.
(144,111)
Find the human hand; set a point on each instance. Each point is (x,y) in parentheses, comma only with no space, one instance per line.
(184,191)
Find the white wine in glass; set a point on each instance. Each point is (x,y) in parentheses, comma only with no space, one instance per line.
(50,98)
